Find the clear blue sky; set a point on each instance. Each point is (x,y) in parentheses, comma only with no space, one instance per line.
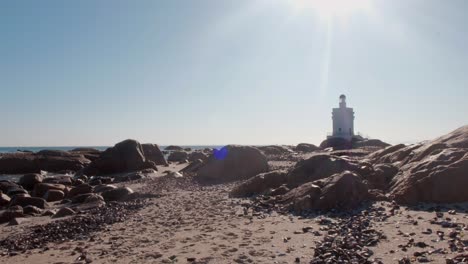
(216,72)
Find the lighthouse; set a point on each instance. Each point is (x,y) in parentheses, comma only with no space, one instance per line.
(343,120)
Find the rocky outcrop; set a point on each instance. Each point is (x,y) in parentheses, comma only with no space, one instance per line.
(439,178)
(197,156)
(274,150)
(193,167)
(172,148)
(89,153)
(11,213)
(365,143)
(154,154)
(4,199)
(41,189)
(125,156)
(29,180)
(6,185)
(260,184)
(52,161)
(65,211)
(177,156)
(336,143)
(53,195)
(381,176)
(340,191)
(319,166)
(25,201)
(306,147)
(80,189)
(233,163)
(117,194)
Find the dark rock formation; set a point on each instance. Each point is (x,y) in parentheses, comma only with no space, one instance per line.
(154,154)
(125,156)
(10,213)
(336,143)
(197,156)
(53,195)
(233,163)
(274,150)
(29,180)
(381,176)
(80,189)
(439,178)
(53,161)
(340,191)
(177,156)
(117,194)
(177,148)
(41,189)
(25,201)
(65,211)
(4,199)
(319,166)
(306,147)
(260,184)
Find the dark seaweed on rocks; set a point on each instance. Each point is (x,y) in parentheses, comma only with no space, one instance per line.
(76,228)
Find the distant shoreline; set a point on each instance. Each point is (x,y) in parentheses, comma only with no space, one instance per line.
(101,148)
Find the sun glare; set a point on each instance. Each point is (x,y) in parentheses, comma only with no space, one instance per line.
(333,8)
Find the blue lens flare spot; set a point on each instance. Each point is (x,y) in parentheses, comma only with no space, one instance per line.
(220,154)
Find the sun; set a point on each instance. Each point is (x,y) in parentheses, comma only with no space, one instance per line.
(333,8)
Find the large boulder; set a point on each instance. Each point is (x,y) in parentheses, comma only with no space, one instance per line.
(53,161)
(306,147)
(455,139)
(177,156)
(104,187)
(336,143)
(80,189)
(29,180)
(260,184)
(11,213)
(53,195)
(65,211)
(381,176)
(301,198)
(377,143)
(439,178)
(344,190)
(59,179)
(6,185)
(172,148)
(274,150)
(233,163)
(41,189)
(90,153)
(25,201)
(317,167)
(4,199)
(154,154)
(125,156)
(196,155)
(117,194)
(193,167)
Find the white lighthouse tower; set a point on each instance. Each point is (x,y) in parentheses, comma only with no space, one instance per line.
(343,121)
